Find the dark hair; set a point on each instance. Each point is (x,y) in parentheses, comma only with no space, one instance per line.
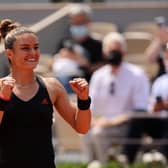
(9,30)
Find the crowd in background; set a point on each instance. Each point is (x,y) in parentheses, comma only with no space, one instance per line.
(119,89)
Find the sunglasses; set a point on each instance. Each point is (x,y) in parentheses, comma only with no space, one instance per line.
(112,88)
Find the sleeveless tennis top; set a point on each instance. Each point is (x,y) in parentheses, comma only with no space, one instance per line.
(25,131)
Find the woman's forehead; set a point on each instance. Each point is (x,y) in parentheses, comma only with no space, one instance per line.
(27,38)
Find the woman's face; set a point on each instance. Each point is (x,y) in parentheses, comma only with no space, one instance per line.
(25,53)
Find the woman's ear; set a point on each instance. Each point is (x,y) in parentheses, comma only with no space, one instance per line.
(9,53)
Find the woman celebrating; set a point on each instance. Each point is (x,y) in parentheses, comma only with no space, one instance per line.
(27,100)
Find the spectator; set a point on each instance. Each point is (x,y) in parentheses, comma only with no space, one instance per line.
(160,90)
(154,51)
(80,20)
(155,127)
(69,63)
(4,66)
(116,89)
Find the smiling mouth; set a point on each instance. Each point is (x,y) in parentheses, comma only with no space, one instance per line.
(31,60)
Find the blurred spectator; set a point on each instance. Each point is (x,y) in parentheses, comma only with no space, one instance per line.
(154,51)
(80,20)
(117,89)
(4,66)
(155,127)
(69,63)
(160,88)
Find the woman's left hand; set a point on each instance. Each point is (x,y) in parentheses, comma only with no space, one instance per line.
(80,87)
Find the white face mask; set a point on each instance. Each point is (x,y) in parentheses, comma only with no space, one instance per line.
(79,31)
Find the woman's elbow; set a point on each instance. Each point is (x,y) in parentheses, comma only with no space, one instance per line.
(83,130)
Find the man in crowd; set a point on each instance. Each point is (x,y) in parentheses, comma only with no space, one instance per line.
(157,125)
(79,29)
(117,89)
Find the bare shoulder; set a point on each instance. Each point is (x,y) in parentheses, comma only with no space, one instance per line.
(54,87)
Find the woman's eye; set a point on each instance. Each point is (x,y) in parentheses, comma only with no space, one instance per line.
(30,49)
(25,49)
(36,48)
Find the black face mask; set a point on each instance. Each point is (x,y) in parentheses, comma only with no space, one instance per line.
(114,58)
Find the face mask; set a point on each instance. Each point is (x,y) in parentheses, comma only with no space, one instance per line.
(79,31)
(114,58)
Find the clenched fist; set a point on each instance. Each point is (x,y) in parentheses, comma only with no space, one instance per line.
(80,87)
(6,86)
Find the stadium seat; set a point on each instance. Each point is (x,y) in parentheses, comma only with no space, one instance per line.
(144,26)
(100,29)
(137,42)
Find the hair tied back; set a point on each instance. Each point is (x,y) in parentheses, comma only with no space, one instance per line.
(6,26)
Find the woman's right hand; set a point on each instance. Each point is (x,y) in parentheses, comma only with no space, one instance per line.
(6,87)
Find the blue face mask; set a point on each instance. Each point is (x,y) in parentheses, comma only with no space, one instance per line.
(79,31)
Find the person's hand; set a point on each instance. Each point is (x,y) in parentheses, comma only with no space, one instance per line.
(100,122)
(6,86)
(162,35)
(80,87)
(166,104)
(158,107)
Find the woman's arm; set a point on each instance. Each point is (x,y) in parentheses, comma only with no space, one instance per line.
(79,119)
(6,86)
(153,51)
(1,115)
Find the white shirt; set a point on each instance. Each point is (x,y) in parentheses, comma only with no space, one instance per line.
(65,66)
(160,88)
(131,90)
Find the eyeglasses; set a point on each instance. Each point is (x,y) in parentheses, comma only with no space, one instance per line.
(112,88)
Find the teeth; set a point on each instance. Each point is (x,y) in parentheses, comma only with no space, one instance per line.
(31,59)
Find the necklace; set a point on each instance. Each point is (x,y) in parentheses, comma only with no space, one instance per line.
(26,86)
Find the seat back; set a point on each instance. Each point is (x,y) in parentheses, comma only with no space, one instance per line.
(100,29)
(137,42)
(148,27)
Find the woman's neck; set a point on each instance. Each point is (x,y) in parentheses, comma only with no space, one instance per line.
(24,78)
